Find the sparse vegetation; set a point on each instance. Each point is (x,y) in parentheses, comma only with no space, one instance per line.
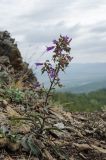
(15,95)
(93,101)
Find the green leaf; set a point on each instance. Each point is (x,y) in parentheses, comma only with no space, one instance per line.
(53,128)
(24,143)
(35,150)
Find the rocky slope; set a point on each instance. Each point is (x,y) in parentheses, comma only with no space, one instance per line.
(23,135)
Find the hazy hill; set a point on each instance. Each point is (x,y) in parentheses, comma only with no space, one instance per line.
(82,77)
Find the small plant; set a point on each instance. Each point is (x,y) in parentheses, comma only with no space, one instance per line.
(59,62)
(15,94)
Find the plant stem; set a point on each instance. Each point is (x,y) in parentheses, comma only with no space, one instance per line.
(47,96)
(52,82)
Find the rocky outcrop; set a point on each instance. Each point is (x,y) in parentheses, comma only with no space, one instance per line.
(8,48)
(11,60)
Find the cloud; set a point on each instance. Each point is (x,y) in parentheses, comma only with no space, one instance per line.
(99,28)
(35,23)
(48,32)
(49,11)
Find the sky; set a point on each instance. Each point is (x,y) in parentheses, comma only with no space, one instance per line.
(35,23)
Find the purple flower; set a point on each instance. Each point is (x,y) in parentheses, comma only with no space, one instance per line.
(38,64)
(49,48)
(66,38)
(52,73)
(54,41)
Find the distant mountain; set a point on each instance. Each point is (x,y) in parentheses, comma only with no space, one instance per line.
(85,88)
(80,78)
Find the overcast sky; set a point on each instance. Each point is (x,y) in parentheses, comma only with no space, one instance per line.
(34,23)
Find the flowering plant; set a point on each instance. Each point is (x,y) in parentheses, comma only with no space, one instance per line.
(60,60)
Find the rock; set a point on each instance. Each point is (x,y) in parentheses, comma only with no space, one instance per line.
(81,118)
(59,125)
(3,118)
(68,116)
(22,108)
(4,77)
(75,131)
(24,129)
(57,115)
(9,158)
(11,112)
(99,149)
(15,58)
(82,147)
(4,103)
(39,143)
(10,50)
(13,146)
(71,158)
(48,156)
(4,60)
(59,134)
(3,142)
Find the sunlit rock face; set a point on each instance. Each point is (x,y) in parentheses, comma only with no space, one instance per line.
(11,60)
